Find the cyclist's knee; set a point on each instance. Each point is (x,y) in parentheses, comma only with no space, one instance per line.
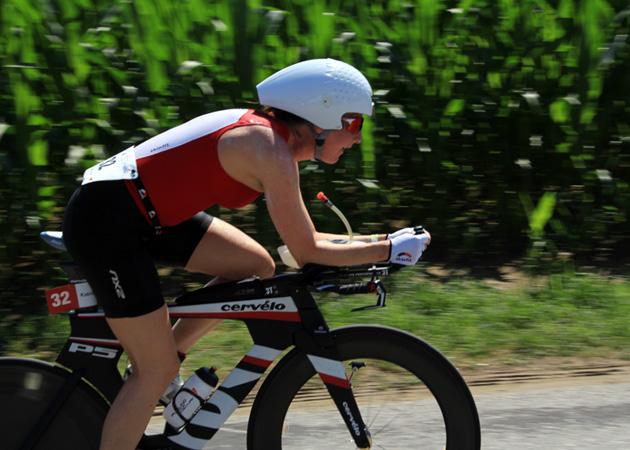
(160,371)
(267,268)
(171,369)
(259,264)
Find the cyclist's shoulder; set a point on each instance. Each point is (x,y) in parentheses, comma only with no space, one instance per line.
(258,127)
(261,145)
(251,155)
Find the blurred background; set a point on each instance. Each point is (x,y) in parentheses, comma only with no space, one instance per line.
(503,127)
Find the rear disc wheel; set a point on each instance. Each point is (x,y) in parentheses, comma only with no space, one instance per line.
(27,387)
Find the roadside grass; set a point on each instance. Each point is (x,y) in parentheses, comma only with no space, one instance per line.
(472,321)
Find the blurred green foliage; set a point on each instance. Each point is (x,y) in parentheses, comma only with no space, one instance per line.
(501,126)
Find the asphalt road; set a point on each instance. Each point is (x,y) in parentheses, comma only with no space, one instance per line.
(587,412)
(581,417)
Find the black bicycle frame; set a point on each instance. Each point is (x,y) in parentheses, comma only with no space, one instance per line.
(279,312)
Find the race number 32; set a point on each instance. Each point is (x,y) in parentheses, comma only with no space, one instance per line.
(61,299)
(69,297)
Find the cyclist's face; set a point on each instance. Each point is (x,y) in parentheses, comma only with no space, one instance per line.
(339,140)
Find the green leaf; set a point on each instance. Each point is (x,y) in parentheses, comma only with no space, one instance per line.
(560,111)
(38,153)
(494,80)
(566,9)
(541,215)
(156,75)
(368,154)
(23,100)
(454,107)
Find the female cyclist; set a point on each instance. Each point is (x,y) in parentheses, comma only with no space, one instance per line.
(142,207)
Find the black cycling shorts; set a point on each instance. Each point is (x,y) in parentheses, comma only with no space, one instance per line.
(117,250)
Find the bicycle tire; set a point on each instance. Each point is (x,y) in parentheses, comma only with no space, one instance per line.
(445,412)
(27,387)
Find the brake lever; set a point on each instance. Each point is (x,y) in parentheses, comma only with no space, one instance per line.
(379,288)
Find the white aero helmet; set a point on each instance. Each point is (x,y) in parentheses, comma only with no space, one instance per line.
(320,91)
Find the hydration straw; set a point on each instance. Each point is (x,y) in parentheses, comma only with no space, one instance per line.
(328,203)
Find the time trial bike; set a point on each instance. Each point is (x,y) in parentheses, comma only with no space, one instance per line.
(363,386)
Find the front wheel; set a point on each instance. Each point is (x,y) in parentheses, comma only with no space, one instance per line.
(409,394)
(28,388)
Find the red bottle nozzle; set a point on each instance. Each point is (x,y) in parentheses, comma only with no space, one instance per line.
(328,203)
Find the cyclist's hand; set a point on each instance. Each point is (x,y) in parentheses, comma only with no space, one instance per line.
(400,232)
(407,248)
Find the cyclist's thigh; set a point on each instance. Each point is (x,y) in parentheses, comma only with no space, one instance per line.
(229,253)
(126,284)
(174,246)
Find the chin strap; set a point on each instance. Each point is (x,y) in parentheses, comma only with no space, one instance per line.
(319,141)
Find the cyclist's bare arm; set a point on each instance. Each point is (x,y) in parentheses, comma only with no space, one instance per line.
(263,161)
(356,238)
(296,229)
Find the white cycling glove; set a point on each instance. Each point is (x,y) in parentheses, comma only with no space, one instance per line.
(407,248)
(400,232)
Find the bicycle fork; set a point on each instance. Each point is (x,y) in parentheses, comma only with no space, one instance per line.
(333,374)
(319,345)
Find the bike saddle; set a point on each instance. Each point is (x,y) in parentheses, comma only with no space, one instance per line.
(54,239)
